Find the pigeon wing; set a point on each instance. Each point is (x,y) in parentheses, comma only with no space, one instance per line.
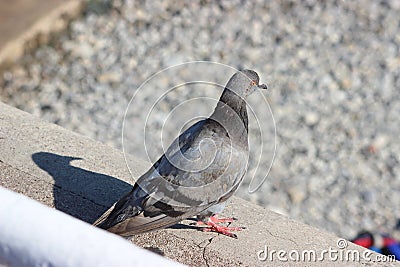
(142,209)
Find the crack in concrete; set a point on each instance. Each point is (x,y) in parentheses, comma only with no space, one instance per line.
(199,245)
(281,237)
(76,194)
(208,240)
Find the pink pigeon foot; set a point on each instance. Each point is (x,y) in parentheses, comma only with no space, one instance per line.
(212,226)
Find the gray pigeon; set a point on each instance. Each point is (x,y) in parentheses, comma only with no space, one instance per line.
(200,170)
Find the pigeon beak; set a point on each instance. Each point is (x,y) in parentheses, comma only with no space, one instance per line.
(263,86)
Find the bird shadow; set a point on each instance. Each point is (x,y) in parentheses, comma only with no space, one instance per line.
(180,226)
(188,225)
(78,192)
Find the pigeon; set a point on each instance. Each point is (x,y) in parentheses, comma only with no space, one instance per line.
(200,170)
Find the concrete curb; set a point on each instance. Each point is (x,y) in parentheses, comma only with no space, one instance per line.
(82,177)
(39,32)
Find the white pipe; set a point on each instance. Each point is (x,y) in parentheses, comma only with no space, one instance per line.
(32,234)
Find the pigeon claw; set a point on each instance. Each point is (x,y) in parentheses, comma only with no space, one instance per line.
(225,230)
(212,226)
(215,219)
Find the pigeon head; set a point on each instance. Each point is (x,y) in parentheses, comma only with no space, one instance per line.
(244,82)
(232,101)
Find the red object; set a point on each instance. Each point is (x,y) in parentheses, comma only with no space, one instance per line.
(212,226)
(365,242)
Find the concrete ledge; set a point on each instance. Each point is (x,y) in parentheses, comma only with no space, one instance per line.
(40,160)
(26,24)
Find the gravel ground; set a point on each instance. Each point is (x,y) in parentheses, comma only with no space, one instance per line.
(332,69)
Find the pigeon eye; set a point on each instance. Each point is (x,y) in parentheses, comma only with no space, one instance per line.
(253,83)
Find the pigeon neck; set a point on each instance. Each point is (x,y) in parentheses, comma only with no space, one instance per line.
(231,111)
